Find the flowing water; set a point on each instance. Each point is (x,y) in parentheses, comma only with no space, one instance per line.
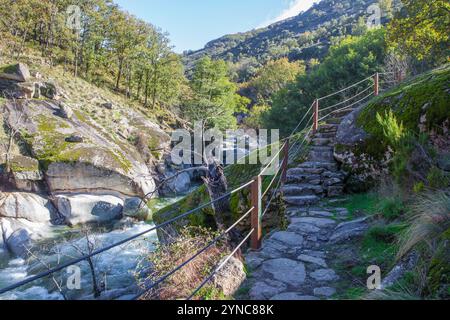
(115,268)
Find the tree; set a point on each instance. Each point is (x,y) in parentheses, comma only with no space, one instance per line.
(214,100)
(354,58)
(421,29)
(274,76)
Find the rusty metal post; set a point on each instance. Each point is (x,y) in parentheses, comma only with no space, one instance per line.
(316,116)
(285,162)
(256,196)
(377,84)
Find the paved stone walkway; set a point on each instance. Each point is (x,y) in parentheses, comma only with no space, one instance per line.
(295,264)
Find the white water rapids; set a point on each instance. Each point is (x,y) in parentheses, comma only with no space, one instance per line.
(115,267)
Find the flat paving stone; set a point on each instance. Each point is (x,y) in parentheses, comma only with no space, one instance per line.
(285,270)
(324,292)
(293,296)
(288,238)
(303,228)
(264,290)
(324,275)
(318,222)
(314,260)
(320,214)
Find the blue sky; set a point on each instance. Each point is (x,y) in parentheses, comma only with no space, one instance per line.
(192,23)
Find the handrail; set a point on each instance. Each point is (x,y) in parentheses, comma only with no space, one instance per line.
(345,89)
(109,247)
(217,269)
(179,267)
(345,101)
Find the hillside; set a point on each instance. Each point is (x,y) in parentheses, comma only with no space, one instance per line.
(303,37)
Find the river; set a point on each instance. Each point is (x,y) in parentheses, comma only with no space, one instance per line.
(115,267)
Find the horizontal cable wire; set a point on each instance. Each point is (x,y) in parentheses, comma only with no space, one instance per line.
(107,248)
(345,89)
(220,266)
(271,182)
(310,119)
(272,197)
(273,159)
(347,107)
(209,245)
(347,100)
(301,121)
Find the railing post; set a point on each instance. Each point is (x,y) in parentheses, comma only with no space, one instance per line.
(316,116)
(285,162)
(377,84)
(256,192)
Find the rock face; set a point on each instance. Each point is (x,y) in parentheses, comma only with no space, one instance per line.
(49,90)
(98,164)
(230,277)
(65,111)
(178,185)
(25,218)
(28,206)
(84,208)
(18,72)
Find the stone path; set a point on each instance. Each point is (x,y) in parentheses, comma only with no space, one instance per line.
(295,264)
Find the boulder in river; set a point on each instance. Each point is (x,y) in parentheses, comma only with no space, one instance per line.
(136,208)
(85,208)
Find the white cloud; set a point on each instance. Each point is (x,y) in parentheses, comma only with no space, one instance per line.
(293,9)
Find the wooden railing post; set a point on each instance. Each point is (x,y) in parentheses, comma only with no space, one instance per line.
(285,162)
(256,195)
(377,84)
(316,116)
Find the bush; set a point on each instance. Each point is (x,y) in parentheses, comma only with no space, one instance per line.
(391,208)
(431,218)
(181,284)
(437,178)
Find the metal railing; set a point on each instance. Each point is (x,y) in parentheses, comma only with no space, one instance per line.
(292,146)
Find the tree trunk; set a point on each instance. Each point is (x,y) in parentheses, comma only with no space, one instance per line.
(217,186)
(119,75)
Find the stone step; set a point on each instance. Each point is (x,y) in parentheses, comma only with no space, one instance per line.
(303,190)
(306,171)
(342,113)
(325,135)
(335,191)
(294,177)
(331,166)
(323,141)
(334,120)
(326,128)
(301,200)
(321,154)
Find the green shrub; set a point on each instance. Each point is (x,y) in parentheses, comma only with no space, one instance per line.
(391,208)
(419,187)
(379,244)
(437,178)
(393,130)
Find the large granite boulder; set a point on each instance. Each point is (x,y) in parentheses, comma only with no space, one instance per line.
(16,72)
(28,206)
(136,208)
(24,219)
(99,164)
(86,208)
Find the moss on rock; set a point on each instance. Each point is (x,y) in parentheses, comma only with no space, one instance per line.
(420,101)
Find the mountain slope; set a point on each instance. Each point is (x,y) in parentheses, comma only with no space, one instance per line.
(305,36)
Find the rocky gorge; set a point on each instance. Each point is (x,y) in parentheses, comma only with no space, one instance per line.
(63,165)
